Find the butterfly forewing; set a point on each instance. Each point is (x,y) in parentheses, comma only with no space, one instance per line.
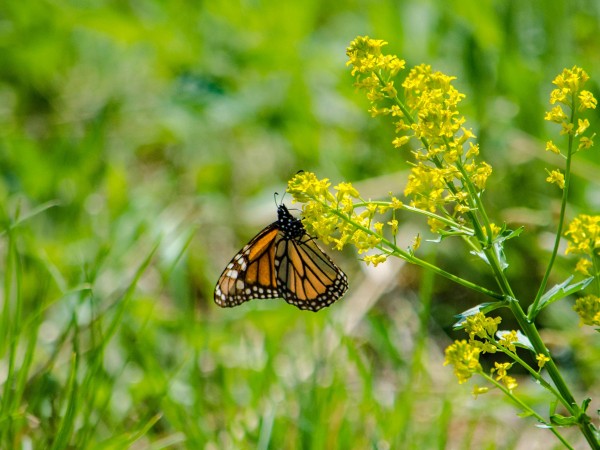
(251,273)
(282,261)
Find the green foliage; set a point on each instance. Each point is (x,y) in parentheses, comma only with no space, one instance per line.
(133,136)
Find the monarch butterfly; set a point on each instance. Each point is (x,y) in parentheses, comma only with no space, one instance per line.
(282,261)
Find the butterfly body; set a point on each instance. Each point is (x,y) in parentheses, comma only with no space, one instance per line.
(282,261)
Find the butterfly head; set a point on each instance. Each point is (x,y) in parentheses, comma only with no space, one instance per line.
(288,224)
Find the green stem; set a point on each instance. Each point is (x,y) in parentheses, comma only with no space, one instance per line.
(450,223)
(534,373)
(525,407)
(561,221)
(596,274)
(407,114)
(525,322)
(530,330)
(468,183)
(403,254)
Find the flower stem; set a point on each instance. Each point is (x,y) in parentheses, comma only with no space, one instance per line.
(561,220)
(407,256)
(526,408)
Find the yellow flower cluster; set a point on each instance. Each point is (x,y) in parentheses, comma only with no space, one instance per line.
(433,98)
(465,358)
(373,70)
(508,340)
(588,308)
(463,354)
(446,175)
(583,234)
(478,325)
(569,93)
(339,219)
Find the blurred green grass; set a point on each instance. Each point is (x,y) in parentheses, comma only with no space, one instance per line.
(162,129)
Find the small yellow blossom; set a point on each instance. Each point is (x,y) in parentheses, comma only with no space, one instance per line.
(394,226)
(501,370)
(343,189)
(510,383)
(586,142)
(583,266)
(396,204)
(370,210)
(435,225)
(495,229)
(484,346)
(557,178)
(482,174)
(584,235)
(508,340)
(479,390)
(587,100)
(558,96)
(473,151)
(375,259)
(582,125)
(566,128)
(416,243)
(400,141)
(542,360)
(588,308)
(551,147)
(465,359)
(556,114)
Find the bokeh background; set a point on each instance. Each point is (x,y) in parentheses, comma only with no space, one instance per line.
(141,143)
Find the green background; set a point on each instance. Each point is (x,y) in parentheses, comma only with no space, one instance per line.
(141,143)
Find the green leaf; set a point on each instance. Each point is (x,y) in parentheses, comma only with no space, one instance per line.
(481,255)
(482,307)
(443,234)
(563,421)
(522,340)
(498,246)
(499,249)
(506,234)
(560,291)
(585,404)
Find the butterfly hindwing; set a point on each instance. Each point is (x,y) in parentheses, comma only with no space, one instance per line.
(306,276)
(282,261)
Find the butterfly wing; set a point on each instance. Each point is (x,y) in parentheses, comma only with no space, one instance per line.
(251,273)
(306,276)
